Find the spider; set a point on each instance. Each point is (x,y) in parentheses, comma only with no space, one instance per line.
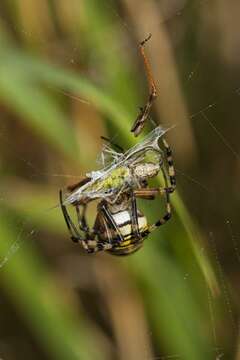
(120,227)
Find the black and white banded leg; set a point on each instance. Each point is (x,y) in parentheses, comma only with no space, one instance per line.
(90,245)
(151,193)
(171,170)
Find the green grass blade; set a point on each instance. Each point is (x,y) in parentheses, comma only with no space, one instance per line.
(34,292)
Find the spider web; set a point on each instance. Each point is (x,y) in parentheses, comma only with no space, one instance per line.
(205,113)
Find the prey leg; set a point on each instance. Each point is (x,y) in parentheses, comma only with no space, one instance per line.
(145,111)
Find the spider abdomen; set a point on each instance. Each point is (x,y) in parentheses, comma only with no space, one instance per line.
(130,242)
(124,221)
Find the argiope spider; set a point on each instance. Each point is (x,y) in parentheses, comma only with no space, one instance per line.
(120,227)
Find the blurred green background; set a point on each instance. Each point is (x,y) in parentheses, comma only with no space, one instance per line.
(71,71)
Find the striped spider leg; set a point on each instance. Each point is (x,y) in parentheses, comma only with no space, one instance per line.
(151,193)
(88,242)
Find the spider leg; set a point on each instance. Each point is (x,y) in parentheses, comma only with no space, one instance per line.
(110,220)
(94,246)
(171,170)
(150,193)
(75,236)
(134,217)
(82,222)
(90,245)
(144,111)
(166,217)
